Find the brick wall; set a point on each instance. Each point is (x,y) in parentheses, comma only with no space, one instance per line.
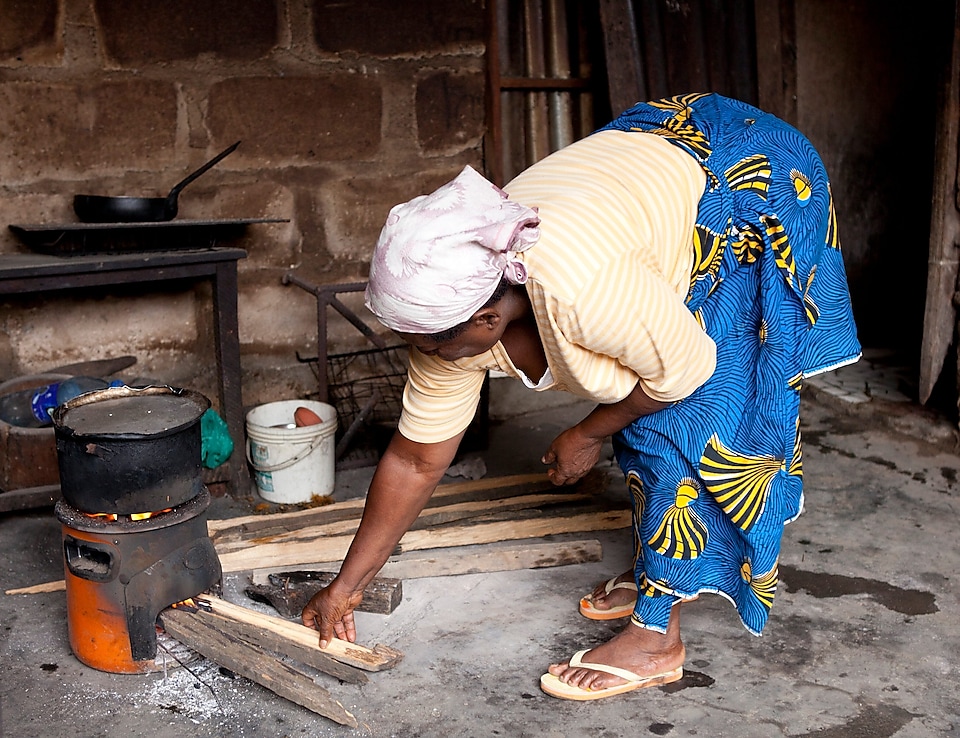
(344,108)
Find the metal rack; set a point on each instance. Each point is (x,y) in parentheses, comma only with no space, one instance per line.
(365,386)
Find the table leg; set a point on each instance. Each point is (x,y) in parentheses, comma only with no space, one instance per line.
(227,339)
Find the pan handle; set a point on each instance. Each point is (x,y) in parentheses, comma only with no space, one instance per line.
(180,185)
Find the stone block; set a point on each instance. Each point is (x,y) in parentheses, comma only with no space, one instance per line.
(359,208)
(390,28)
(137,32)
(261,302)
(64,131)
(299,119)
(450,111)
(28,29)
(59,328)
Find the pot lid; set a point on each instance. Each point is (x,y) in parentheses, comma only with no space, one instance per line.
(129,411)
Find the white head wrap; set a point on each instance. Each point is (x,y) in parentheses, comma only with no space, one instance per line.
(440,257)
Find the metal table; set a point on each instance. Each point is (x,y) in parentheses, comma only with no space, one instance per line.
(22,274)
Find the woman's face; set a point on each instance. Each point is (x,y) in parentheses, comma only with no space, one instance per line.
(478,338)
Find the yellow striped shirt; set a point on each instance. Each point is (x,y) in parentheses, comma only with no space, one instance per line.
(607,282)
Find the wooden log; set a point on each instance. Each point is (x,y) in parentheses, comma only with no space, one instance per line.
(378,658)
(335,548)
(483,558)
(270,641)
(289,592)
(255,664)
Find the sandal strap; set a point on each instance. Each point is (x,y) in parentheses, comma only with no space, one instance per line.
(629,676)
(614,584)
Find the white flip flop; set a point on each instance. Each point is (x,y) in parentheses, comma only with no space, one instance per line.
(556,688)
(613,613)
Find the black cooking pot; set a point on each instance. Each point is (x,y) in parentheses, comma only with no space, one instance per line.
(125,450)
(104,209)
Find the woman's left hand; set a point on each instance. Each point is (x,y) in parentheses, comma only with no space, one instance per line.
(572,454)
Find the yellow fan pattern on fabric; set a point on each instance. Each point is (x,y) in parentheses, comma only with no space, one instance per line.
(748,247)
(708,249)
(648,590)
(739,482)
(752,173)
(681,534)
(635,488)
(679,127)
(763,586)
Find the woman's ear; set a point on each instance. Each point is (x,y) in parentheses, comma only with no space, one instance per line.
(488,318)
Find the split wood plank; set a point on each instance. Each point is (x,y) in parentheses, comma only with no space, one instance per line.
(478,559)
(255,664)
(335,548)
(289,592)
(594,483)
(378,658)
(251,523)
(271,641)
(491,557)
(427,518)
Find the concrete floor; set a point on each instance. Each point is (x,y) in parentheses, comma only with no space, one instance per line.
(864,638)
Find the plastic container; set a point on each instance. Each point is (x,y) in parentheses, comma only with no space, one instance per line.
(32,408)
(291,464)
(28,456)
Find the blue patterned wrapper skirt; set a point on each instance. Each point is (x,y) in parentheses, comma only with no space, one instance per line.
(715,477)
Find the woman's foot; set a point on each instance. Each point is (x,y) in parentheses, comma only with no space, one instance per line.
(644,652)
(612,599)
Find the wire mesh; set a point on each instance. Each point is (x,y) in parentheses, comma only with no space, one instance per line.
(368,382)
(366,388)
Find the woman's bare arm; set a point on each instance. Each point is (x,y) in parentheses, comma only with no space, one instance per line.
(408,473)
(575,451)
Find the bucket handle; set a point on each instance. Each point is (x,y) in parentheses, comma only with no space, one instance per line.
(317,440)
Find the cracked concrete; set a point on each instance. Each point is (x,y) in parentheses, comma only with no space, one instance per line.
(863,640)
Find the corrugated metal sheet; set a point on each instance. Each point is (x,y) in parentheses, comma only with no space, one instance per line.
(660,48)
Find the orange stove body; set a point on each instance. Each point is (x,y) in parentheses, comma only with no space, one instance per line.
(121,574)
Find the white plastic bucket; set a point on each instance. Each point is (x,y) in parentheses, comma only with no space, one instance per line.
(291,465)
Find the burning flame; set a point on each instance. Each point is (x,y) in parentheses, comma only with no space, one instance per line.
(113,517)
(189,602)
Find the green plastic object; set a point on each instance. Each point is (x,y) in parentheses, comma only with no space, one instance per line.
(215,442)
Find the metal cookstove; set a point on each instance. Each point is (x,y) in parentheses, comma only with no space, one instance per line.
(123,567)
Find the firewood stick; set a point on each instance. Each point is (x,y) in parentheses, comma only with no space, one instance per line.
(479,559)
(253,663)
(335,548)
(369,659)
(431,516)
(443,490)
(267,639)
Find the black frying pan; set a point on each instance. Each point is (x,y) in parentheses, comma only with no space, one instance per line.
(103,209)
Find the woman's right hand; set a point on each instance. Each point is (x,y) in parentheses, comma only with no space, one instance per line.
(330,611)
